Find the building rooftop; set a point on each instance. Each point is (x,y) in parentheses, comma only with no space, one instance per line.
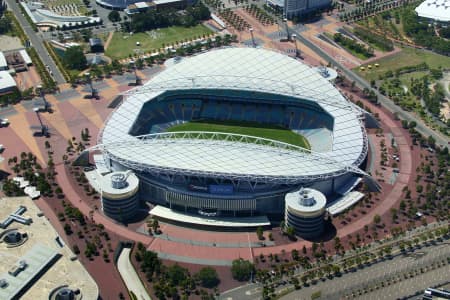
(438,10)
(6,80)
(306,200)
(95,42)
(3,63)
(25,270)
(160,2)
(141,5)
(42,246)
(131,183)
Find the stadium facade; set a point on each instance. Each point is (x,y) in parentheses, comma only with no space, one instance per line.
(230,174)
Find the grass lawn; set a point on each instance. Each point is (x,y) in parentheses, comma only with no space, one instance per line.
(123,44)
(407,57)
(246,128)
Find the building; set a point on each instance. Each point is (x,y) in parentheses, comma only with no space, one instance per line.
(305,211)
(96,45)
(156,4)
(232,175)
(116,4)
(41,16)
(3,63)
(26,58)
(7,82)
(139,7)
(120,199)
(176,4)
(435,11)
(292,8)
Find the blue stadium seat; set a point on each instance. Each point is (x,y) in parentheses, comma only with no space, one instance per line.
(236,112)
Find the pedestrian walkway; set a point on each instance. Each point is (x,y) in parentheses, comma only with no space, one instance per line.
(130,277)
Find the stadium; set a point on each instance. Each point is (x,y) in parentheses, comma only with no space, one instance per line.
(231,131)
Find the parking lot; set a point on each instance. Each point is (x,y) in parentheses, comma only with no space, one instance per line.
(378,275)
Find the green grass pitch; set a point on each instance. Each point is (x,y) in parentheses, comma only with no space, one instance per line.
(246,128)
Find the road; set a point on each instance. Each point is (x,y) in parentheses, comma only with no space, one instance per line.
(247,292)
(36,41)
(130,277)
(385,102)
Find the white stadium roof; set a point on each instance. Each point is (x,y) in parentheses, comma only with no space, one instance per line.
(438,10)
(247,69)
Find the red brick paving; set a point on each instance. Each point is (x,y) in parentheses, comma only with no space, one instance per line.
(200,252)
(208,236)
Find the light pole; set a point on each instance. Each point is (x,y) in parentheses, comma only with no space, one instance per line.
(285,21)
(137,79)
(297,51)
(43,128)
(89,80)
(40,90)
(253,38)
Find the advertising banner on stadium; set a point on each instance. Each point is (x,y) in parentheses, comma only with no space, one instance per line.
(221,189)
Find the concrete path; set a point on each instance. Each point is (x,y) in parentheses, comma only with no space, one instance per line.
(130,276)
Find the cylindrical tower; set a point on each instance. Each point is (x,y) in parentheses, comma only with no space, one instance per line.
(305,211)
(120,198)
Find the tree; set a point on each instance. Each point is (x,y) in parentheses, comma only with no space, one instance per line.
(241,269)
(67,229)
(74,58)
(260,233)
(295,255)
(208,277)
(155,225)
(290,231)
(114,16)
(76,249)
(377,219)
(177,274)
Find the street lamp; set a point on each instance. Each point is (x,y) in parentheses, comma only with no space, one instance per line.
(41,92)
(297,51)
(89,81)
(137,79)
(253,38)
(285,21)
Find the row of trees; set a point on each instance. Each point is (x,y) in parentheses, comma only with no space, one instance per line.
(234,20)
(260,14)
(5,21)
(352,45)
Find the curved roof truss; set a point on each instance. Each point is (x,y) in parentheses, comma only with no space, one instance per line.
(236,82)
(122,152)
